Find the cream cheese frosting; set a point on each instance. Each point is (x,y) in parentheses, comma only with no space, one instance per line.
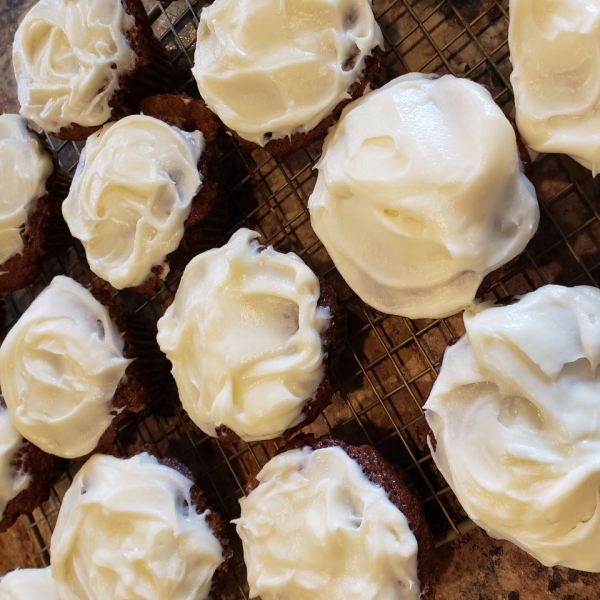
(316,528)
(28,584)
(131,195)
(272,68)
(243,335)
(420,194)
(127,530)
(515,413)
(24,170)
(554,48)
(68,56)
(12,481)
(60,366)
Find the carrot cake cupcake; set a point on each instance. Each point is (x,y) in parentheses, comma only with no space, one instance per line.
(81,63)
(421,194)
(515,417)
(278,73)
(28,584)
(139,185)
(26,473)
(68,371)
(554,52)
(250,335)
(326,520)
(31,190)
(136,528)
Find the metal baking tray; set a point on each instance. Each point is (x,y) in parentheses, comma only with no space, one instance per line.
(390,363)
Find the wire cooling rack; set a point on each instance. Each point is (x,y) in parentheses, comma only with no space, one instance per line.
(390,363)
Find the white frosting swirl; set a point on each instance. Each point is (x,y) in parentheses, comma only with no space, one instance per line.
(516,415)
(243,335)
(24,169)
(127,530)
(555,49)
(131,195)
(59,368)
(12,482)
(28,584)
(316,528)
(68,56)
(280,67)
(420,194)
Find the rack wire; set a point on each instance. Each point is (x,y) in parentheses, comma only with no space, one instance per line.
(390,363)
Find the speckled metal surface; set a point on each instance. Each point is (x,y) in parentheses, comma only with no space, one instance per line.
(390,363)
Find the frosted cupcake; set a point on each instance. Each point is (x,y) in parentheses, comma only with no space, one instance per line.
(250,336)
(137,528)
(69,373)
(421,194)
(326,520)
(28,584)
(142,196)
(515,418)
(279,73)
(31,190)
(81,63)
(554,52)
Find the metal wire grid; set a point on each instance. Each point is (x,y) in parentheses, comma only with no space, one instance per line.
(390,363)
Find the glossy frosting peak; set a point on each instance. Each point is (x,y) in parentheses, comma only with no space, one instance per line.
(12,482)
(68,56)
(131,195)
(281,66)
(28,584)
(60,366)
(554,49)
(243,335)
(127,530)
(316,528)
(421,194)
(24,170)
(516,417)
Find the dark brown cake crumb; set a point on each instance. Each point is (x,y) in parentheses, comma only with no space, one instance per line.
(44,470)
(380,473)
(332,338)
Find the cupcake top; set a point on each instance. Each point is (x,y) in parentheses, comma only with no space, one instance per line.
(12,481)
(317,527)
(420,194)
(24,170)
(554,52)
(516,419)
(68,56)
(127,529)
(59,368)
(243,335)
(131,195)
(272,68)
(28,584)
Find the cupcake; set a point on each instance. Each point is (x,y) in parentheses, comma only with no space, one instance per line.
(68,370)
(553,50)
(279,73)
(142,198)
(515,418)
(326,520)
(81,63)
(31,190)
(250,335)
(137,528)
(26,473)
(28,584)
(421,194)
